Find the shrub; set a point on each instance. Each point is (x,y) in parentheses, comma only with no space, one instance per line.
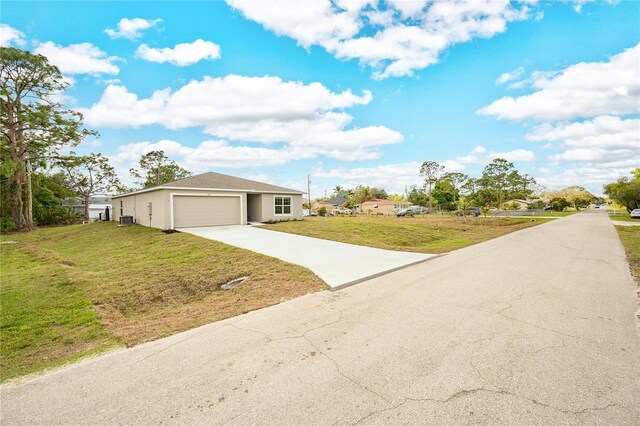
(7,225)
(322,211)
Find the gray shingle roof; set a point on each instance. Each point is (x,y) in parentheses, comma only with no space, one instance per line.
(212,180)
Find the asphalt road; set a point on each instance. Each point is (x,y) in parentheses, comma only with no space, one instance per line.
(536,327)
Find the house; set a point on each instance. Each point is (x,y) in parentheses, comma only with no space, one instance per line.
(522,204)
(379,206)
(317,205)
(97,205)
(329,205)
(337,201)
(208,199)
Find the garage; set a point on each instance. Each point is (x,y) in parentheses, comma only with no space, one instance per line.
(207,199)
(192,211)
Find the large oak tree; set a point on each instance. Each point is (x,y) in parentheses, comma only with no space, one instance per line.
(33,126)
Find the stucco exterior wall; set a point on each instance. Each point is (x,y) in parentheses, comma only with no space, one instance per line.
(136,205)
(254,207)
(383,208)
(268,207)
(263,206)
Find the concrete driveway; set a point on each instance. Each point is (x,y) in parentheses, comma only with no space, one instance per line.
(338,264)
(536,327)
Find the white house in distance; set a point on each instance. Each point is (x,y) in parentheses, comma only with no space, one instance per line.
(97,205)
(208,199)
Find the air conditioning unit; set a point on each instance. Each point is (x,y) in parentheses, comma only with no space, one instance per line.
(126,220)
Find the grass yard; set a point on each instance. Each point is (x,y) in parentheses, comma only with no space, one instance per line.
(557,214)
(630,236)
(75,290)
(429,234)
(45,320)
(548,213)
(622,217)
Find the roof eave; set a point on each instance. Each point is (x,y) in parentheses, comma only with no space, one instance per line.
(253,191)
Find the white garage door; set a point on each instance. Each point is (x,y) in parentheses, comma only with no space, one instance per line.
(190,211)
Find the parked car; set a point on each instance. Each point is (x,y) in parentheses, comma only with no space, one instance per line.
(341,210)
(635,214)
(412,210)
(471,211)
(474,211)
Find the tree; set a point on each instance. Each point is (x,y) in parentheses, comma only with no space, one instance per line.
(417,196)
(445,194)
(156,169)
(363,193)
(495,179)
(88,175)
(49,191)
(33,125)
(537,205)
(457,180)
(577,196)
(431,172)
(625,191)
(559,204)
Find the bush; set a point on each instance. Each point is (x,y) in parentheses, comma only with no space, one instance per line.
(559,204)
(7,225)
(537,205)
(322,211)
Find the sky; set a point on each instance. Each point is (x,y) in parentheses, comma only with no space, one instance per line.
(349,92)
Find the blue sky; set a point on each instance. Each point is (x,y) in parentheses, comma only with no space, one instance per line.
(350,92)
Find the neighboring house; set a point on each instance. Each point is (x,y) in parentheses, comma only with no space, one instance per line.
(337,201)
(317,205)
(97,205)
(330,204)
(522,204)
(208,199)
(379,206)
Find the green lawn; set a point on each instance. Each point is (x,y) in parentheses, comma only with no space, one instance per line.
(558,214)
(81,289)
(622,217)
(429,234)
(45,320)
(548,213)
(630,236)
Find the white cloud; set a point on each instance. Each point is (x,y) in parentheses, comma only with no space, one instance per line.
(83,58)
(10,36)
(306,117)
(510,76)
(182,54)
(394,37)
(205,156)
(590,176)
(131,28)
(582,111)
(392,177)
(480,155)
(578,4)
(582,90)
(606,140)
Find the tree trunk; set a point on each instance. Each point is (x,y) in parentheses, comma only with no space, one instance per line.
(16,193)
(29,195)
(87,200)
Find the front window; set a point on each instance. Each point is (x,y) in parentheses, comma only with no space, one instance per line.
(283,205)
(121,208)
